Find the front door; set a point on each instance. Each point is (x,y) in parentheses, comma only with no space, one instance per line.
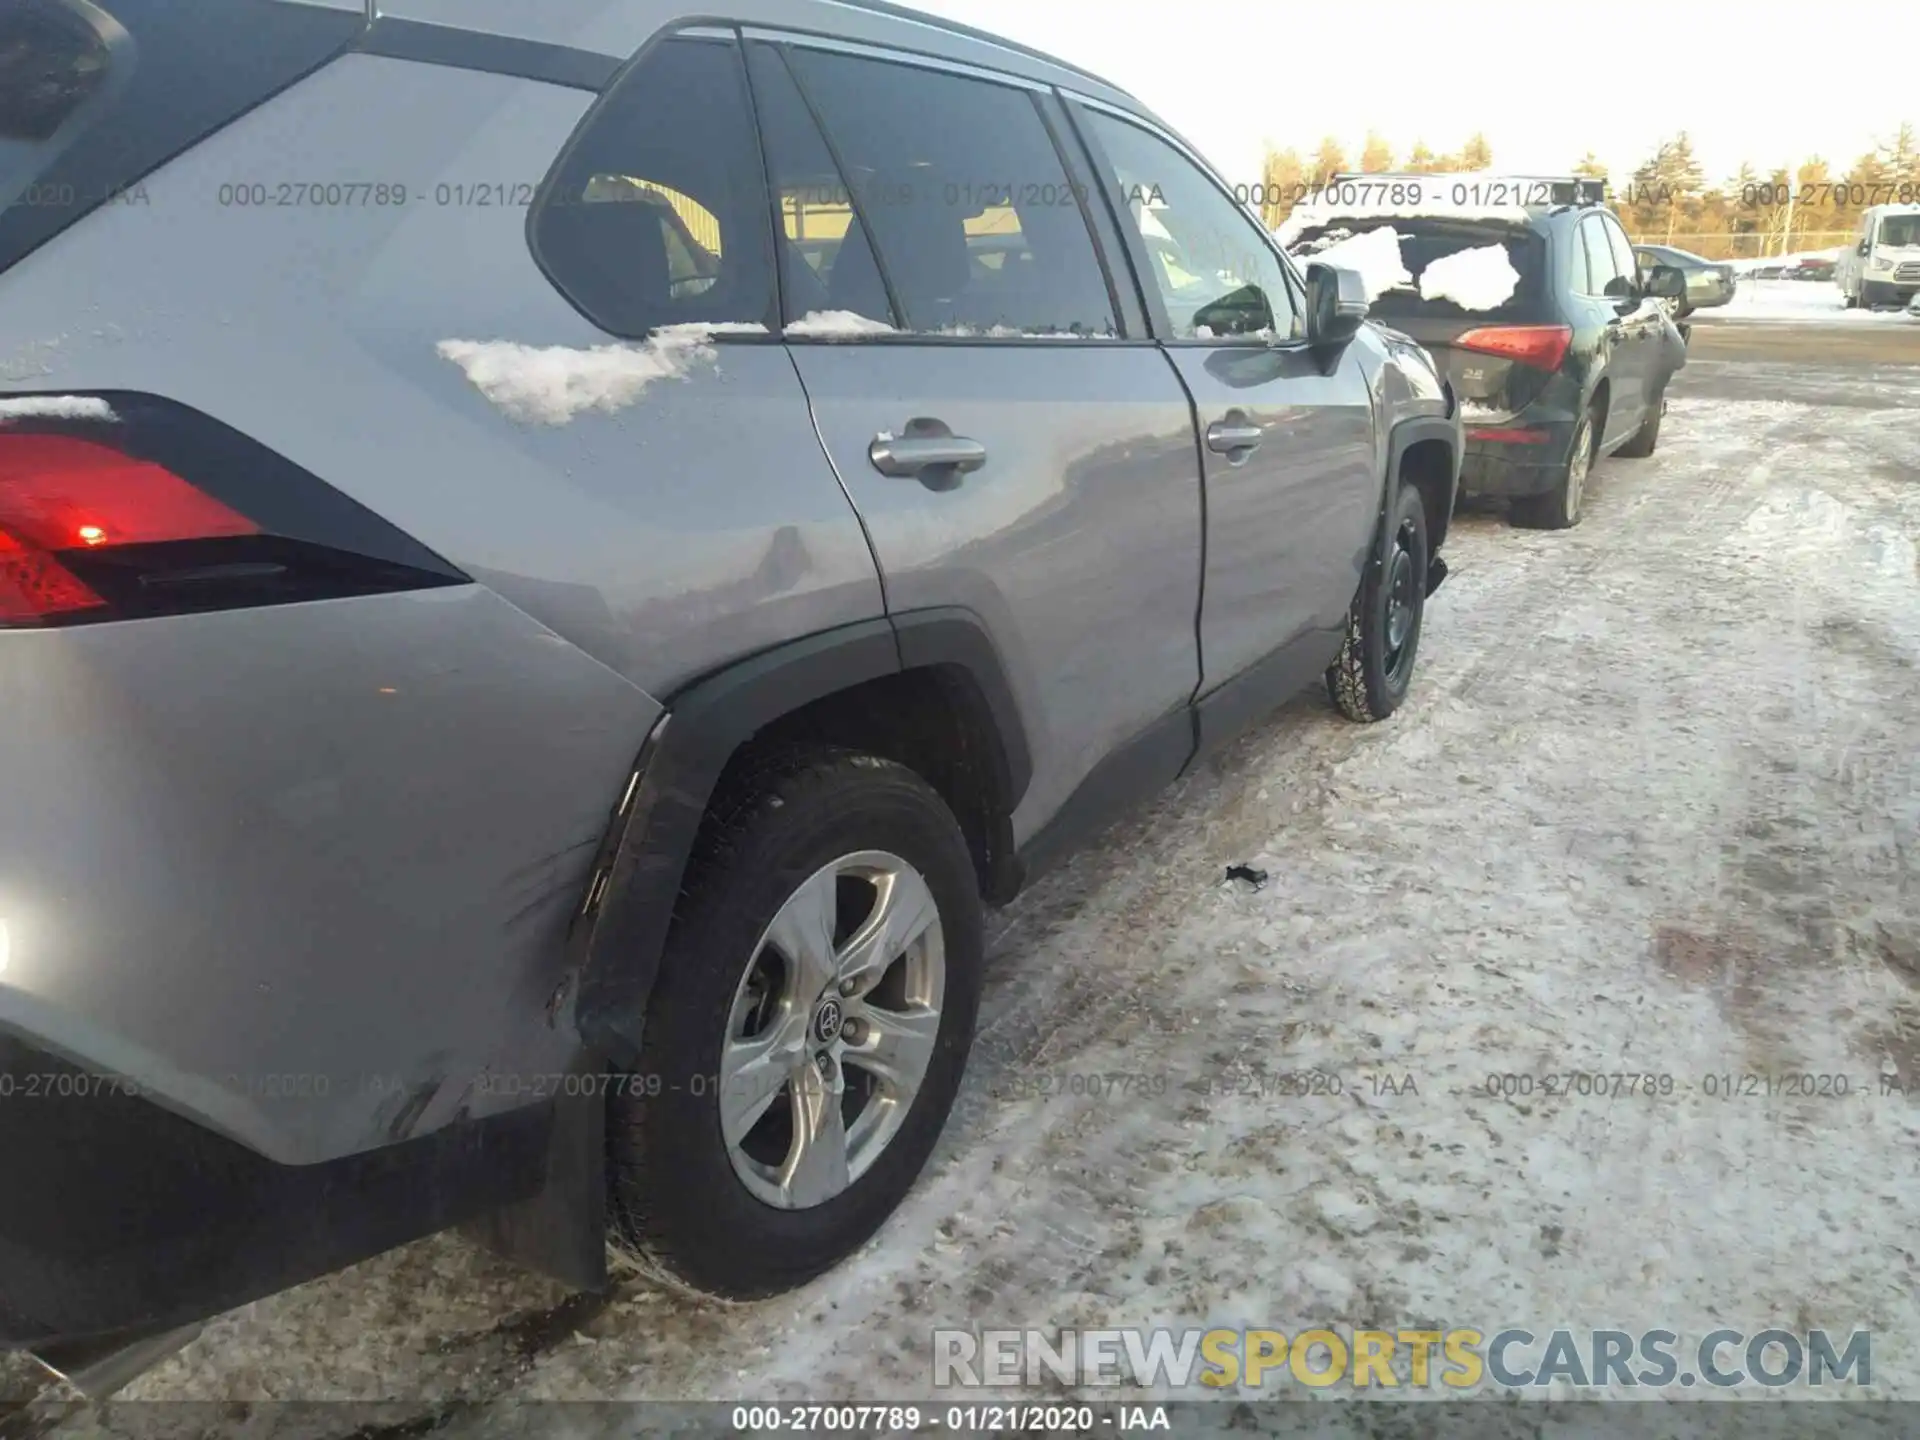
(1287,445)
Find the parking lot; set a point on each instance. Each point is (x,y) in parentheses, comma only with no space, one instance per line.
(1652,810)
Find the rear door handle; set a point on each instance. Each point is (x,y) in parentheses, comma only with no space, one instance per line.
(926,445)
(1233,436)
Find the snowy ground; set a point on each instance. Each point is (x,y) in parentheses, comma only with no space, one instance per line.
(1653,807)
(1796,300)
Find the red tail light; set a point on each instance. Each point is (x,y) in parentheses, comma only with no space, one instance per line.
(1541,346)
(131,505)
(61,493)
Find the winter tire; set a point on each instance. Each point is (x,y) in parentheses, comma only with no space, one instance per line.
(1559,508)
(808,1031)
(1648,435)
(1374,669)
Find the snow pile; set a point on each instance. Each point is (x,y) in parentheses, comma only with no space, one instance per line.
(1482,278)
(837,325)
(55,407)
(1374,255)
(1792,301)
(549,385)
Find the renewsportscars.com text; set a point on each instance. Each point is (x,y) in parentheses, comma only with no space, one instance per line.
(1455,1359)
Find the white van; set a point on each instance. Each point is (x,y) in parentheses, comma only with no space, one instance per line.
(1881,266)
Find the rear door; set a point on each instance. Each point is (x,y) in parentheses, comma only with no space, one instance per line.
(1287,445)
(1013,442)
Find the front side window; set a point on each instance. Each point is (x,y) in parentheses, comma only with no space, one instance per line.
(962,193)
(1217,275)
(657,213)
(1602,271)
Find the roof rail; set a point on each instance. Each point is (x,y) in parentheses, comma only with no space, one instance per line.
(954,27)
(1561,189)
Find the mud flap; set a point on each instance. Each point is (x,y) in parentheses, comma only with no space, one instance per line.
(561,1230)
(1436,573)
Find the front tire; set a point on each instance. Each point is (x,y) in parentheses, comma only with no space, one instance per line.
(1374,670)
(1640,446)
(808,1032)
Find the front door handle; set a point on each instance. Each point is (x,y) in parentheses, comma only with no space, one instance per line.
(926,448)
(1235,436)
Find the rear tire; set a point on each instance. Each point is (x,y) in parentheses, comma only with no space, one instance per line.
(800,893)
(1374,670)
(1559,508)
(1648,435)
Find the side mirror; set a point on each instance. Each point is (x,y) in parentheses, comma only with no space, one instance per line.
(1624,294)
(1239,312)
(1669,282)
(1336,305)
(1863,247)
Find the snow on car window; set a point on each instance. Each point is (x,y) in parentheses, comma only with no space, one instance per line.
(837,325)
(1374,255)
(1432,267)
(1482,278)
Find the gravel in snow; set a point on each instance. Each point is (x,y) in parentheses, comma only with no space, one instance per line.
(1652,808)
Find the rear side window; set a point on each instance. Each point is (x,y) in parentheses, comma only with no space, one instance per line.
(959,185)
(656,213)
(94,94)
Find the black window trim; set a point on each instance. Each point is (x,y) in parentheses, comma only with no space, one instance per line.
(897,310)
(1584,234)
(701,30)
(1157,317)
(1608,218)
(784,39)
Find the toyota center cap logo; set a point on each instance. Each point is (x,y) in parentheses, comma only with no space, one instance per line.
(826,1021)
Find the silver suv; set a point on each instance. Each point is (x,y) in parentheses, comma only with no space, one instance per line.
(549,570)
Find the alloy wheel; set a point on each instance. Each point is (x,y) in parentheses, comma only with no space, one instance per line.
(831,1029)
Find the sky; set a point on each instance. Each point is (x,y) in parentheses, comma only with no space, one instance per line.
(1746,82)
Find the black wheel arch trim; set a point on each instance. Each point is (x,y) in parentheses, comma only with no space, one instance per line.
(622,926)
(1402,437)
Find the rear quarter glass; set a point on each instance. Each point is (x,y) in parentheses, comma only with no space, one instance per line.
(1424,241)
(95,94)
